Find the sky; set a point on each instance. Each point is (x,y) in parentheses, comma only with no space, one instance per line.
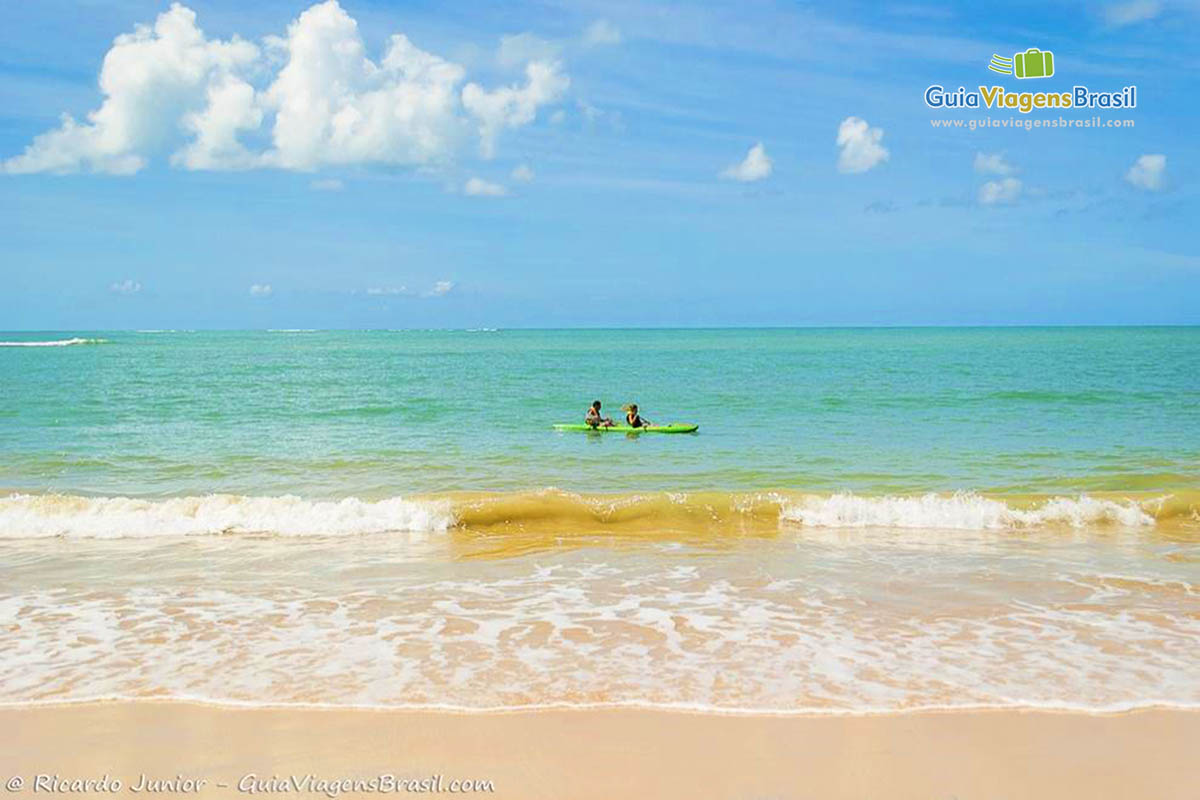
(371,164)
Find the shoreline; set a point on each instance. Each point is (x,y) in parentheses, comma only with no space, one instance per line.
(602,707)
(606,753)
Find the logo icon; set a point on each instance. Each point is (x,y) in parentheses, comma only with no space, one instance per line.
(1033,63)
(1001,64)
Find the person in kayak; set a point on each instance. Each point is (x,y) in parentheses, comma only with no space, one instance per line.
(594,419)
(634,419)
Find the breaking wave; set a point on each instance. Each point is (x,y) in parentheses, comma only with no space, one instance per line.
(54,342)
(24,516)
(551,511)
(963,511)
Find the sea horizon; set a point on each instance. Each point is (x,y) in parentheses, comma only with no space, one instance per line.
(864,326)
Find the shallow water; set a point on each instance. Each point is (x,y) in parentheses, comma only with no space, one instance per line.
(376,414)
(867,520)
(807,619)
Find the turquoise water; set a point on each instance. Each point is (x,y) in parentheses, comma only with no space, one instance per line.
(867,520)
(376,413)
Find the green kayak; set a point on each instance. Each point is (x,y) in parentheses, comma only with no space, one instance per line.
(674,427)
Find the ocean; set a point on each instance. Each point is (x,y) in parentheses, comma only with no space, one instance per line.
(868,520)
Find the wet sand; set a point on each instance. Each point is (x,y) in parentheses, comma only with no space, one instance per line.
(574,755)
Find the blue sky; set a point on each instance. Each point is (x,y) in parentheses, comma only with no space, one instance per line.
(615,163)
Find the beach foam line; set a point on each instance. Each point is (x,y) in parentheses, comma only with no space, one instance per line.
(682,707)
(54,342)
(25,516)
(962,511)
(556,513)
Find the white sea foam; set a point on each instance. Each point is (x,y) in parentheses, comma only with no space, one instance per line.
(961,511)
(597,630)
(54,342)
(24,516)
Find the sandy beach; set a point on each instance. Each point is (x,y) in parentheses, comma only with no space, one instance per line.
(209,751)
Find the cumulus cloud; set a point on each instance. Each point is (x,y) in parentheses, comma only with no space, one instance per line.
(478,187)
(1005,190)
(152,80)
(310,98)
(522,173)
(513,106)
(1148,172)
(260,290)
(992,164)
(1121,14)
(440,288)
(601,32)
(127,286)
(859,144)
(230,109)
(754,167)
(334,105)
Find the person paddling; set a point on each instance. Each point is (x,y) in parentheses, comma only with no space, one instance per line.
(594,419)
(634,419)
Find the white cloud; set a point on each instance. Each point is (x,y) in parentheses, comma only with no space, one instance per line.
(153,80)
(601,32)
(1121,14)
(437,290)
(127,286)
(513,106)
(522,173)
(754,167)
(558,117)
(260,290)
(478,187)
(992,164)
(231,109)
(327,185)
(1148,172)
(1005,190)
(334,105)
(308,99)
(522,48)
(860,145)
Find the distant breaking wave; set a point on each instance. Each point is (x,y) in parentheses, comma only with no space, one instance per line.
(554,512)
(54,343)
